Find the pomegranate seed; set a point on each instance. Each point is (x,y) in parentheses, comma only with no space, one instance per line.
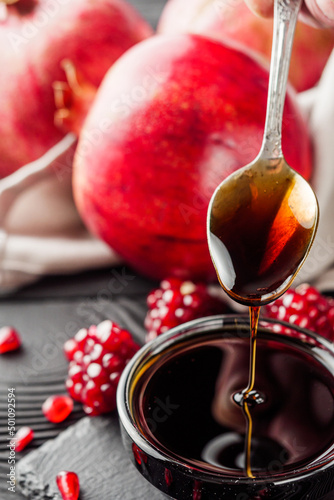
(80,337)
(23,437)
(96,373)
(111,362)
(70,348)
(75,373)
(97,353)
(73,389)
(9,339)
(108,392)
(92,395)
(57,408)
(68,485)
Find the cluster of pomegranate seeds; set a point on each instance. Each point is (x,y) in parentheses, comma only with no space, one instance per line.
(305,307)
(68,485)
(97,357)
(176,302)
(9,339)
(57,408)
(23,437)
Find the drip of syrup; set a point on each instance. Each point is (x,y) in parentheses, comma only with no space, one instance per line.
(249,397)
(254,318)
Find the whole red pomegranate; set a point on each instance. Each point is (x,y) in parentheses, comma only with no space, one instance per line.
(232,20)
(35,37)
(172,118)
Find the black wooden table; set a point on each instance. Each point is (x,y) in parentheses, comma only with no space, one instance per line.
(46,314)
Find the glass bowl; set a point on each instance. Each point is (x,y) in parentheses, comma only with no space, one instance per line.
(186,435)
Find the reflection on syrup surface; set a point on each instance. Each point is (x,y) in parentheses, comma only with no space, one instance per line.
(258,233)
(184,404)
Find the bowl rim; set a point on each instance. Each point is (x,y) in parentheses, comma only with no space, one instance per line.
(187,330)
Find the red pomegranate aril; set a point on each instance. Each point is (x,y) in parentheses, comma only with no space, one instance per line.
(96,373)
(57,408)
(112,362)
(302,321)
(74,389)
(93,411)
(97,353)
(313,312)
(9,339)
(107,334)
(323,325)
(85,362)
(172,298)
(92,332)
(75,373)
(330,315)
(68,485)
(80,337)
(114,378)
(70,348)
(92,395)
(89,345)
(78,356)
(169,283)
(104,330)
(113,343)
(153,297)
(108,392)
(23,437)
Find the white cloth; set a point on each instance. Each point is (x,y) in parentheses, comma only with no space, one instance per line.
(318,103)
(41,232)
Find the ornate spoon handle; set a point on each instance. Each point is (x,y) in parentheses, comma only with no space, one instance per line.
(285,18)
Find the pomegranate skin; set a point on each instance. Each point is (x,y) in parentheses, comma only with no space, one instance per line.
(35,37)
(172,118)
(235,22)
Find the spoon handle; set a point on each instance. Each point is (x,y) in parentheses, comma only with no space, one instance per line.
(285,18)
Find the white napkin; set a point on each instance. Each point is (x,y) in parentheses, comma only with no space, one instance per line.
(318,103)
(41,232)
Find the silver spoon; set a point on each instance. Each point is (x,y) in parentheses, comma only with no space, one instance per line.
(262,219)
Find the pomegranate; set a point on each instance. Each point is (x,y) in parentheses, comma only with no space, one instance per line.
(173,117)
(232,20)
(35,37)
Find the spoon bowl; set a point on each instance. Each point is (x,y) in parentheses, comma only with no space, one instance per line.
(262,222)
(263,218)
